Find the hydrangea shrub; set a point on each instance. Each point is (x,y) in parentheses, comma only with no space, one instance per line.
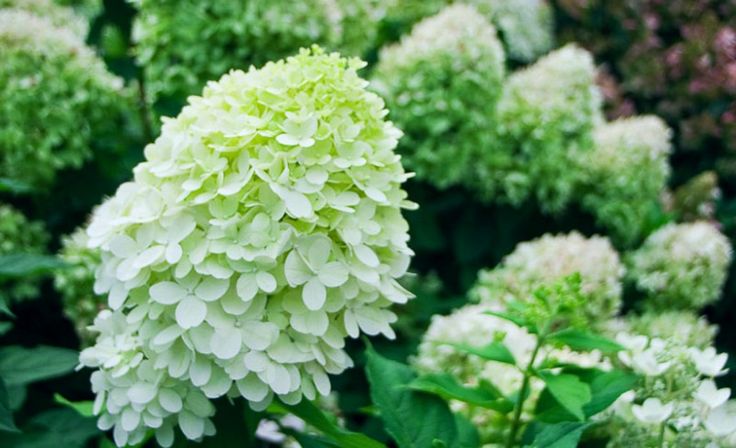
(184,44)
(551,258)
(75,283)
(441,83)
(677,402)
(546,118)
(57,101)
(263,229)
(682,266)
(20,235)
(627,174)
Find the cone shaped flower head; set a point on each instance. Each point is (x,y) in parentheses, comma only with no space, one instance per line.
(553,257)
(441,83)
(682,266)
(263,229)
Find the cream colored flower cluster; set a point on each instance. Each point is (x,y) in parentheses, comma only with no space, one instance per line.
(441,83)
(60,16)
(677,402)
(682,266)
(627,173)
(262,230)
(551,258)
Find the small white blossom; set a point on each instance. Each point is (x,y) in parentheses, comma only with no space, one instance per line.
(652,411)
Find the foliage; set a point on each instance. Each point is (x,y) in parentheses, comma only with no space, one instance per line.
(18,234)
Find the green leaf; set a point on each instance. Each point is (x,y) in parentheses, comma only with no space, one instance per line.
(6,416)
(584,341)
(571,393)
(413,419)
(519,321)
(558,435)
(467,432)
(84,408)
(311,414)
(495,351)
(20,366)
(55,428)
(14,186)
(606,388)
(445,386)
(25,265)
(5,327)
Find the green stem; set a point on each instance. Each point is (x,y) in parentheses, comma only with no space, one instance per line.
(516,422)
(661,434)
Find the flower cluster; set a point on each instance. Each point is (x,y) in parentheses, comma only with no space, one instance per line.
(57,100)
(19,235)
(696,200)
(677,402)
(75,283)
(441,83)
(182,45)
(627,174)
(263,229)
(682,266)
(551,258)
(683,327)
(470,326)
(526,25)
(60,16)
(546,117)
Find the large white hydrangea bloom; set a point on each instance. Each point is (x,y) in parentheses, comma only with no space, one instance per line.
(682,266)
(263,229)
(553,257)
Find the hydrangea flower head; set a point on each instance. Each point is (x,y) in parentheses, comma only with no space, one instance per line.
(442,82)
(58,98)
(685,327)
(628,172)
(682,266)
(59,15)
(546,118)
(551,258)
(262,230)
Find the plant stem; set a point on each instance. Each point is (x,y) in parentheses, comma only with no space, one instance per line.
(516,422)
(661,434)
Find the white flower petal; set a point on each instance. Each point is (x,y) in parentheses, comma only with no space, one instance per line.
(211,289)
(314,294)
(226,342)
(167,293)
(190,312)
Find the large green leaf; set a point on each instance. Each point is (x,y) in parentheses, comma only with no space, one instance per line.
(55,428)
(584,341)
(467,433)
(24,265)
(6,415)
(606,387)
(311,414)
(19,365)
(445,386)
(412,418)
(571,393)
(558,435)
(495,351)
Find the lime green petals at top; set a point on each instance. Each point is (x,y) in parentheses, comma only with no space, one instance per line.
(262,230)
